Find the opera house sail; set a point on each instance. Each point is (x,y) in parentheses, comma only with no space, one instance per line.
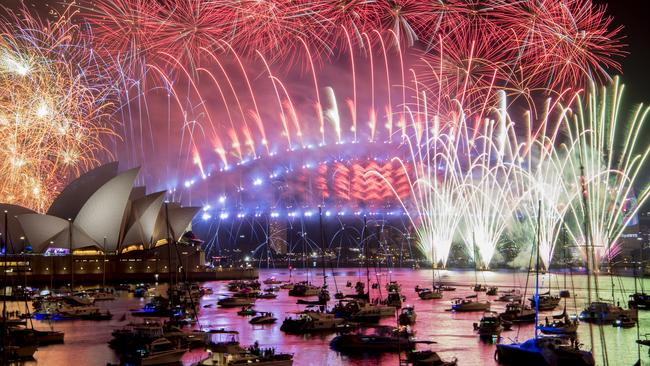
(100,226)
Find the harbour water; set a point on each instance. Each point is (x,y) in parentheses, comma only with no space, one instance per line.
(86,341)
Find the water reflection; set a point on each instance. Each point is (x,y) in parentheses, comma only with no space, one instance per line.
(86,342)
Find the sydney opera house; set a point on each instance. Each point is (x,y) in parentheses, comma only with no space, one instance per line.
(102,226)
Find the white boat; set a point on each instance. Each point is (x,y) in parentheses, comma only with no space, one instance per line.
(311,321)
(363,312)
(103,296)
(604,312)
(162,352)
(469,304)
(428,294)
(272,281)
(234,355)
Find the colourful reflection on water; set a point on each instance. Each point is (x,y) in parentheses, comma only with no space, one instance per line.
(86,341)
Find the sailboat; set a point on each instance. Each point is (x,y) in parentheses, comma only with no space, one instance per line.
(561,325)
(471,302)
(435,292)
(549,350)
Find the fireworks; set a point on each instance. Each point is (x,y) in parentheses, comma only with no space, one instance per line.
(210,85)
(51,105)
(604,168)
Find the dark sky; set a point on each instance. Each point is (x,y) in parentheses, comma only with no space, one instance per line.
(634,16)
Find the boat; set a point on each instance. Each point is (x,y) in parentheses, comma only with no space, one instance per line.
(47,337)
(394,299)
(157,307)
(312,322)
(393,286)
(479,288)
(510,296)
(515,312)
(304,289)
(561,325)
(103,294)
(639,300)
(546,302)
(234,302)
(272,281)
(59,310)
(490,325)
(159,352)
(19,353)
(427,358)
(407,316)
(492,291)
(231,354)
(444,288)
(469,304)
(543,350)
(362,312)
(551,351)
(267,296)
(428,294)
(604,312)
(235,286)
(376,343)
(247,292)
(624,321)
(264,318)
(247,310)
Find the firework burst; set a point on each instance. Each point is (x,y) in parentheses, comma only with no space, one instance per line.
(53,99)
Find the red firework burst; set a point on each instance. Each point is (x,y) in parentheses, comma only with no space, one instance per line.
(191,25)
(409,19)
(123,28)
(276,29)
(349,19)
(561,43)
(468,64)
(585,45)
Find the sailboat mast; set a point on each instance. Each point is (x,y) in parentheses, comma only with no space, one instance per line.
(71,255)
(322,240)
(365,254)
(4,292)
(539,212)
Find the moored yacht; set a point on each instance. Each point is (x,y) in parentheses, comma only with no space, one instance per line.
(544,351)
(515,312)
(304,289)
(428,294)
(469,303)
(232,354)
(407,316)
(604,312)
(159,352)
(311,322)
(395,341)
(489,325)
(546,302)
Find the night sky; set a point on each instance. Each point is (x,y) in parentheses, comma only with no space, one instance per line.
(633,15)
